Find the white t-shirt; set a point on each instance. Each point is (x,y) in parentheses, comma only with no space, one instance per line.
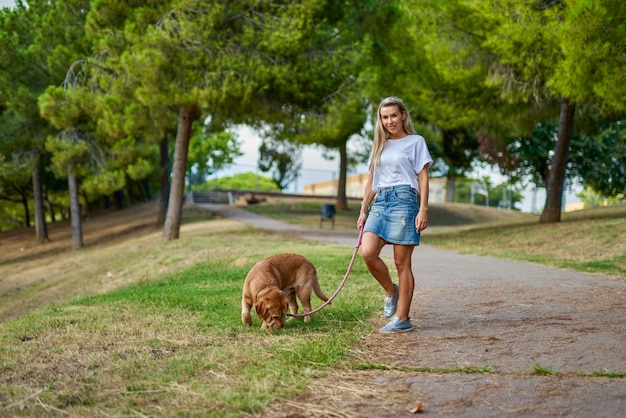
(401,161)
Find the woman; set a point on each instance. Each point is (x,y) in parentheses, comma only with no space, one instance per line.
(398,177)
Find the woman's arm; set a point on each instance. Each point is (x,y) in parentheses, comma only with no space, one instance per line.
(421,221)
(368,197)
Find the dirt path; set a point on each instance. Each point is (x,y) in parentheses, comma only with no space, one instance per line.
(511,318)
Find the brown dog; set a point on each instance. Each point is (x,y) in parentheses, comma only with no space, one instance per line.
(273,283)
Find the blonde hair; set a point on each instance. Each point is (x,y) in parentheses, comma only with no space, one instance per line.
(380,133)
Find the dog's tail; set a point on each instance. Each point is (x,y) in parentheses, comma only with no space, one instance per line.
(318,291)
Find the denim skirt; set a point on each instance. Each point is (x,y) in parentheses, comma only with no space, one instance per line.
(392,215)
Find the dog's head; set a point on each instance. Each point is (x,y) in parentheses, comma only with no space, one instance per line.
(271,306)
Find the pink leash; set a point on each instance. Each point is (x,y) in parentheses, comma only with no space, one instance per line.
(345,278)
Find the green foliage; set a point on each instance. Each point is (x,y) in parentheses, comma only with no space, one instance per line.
(308,72)
(600,160)
(68,150)
(15,171)
(140,169)
(532,153)
(282,158)
(592,41)
(597,159)
(38,42)
(223,61)
(210,152)
(242,181)
(503,195)
(443,79)
(58,107)
(501,66)
(11,214)
(459,150)
(105,183)
(321,100)
(592,198)
(444,75)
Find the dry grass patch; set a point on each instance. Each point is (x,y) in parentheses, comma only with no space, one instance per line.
(163,335)
(590,241)
(174,343)
(116,253)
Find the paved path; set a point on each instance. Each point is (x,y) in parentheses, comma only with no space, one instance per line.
(482,311)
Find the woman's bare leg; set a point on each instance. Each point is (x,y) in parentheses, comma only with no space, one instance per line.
(371,245)
(402,257)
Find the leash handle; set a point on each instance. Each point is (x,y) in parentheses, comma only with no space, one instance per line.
(360,239)
(345,278)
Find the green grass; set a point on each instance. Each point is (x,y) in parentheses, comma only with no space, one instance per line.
(539,370)
(602,373)
(176,344)
(439,370)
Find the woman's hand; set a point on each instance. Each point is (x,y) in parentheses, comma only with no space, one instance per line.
(421,220)
(360,223)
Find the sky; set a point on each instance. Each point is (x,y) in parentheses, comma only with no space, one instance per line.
(315,168)
(6,3)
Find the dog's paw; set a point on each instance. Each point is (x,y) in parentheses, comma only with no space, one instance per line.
(247,319)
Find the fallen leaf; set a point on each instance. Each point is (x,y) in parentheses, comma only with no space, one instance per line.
(419,407)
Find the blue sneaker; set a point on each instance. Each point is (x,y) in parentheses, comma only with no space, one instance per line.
(391,304)
(397,325)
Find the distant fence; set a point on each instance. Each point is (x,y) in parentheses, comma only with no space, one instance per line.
(215,196)
(229,197)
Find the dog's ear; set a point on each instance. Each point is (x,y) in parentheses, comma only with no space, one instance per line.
(262,293)
(261,309)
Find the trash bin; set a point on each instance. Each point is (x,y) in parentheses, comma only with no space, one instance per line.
(328,214)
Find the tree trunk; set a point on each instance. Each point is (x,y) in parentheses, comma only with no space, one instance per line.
(50,211)
(120,199)
(86,209)
(146,189)
(132,199)
(342,200)
(556,179)
(450,187)
(77,231)
(165,180)
(40,215)
(171,229)
(25,206)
